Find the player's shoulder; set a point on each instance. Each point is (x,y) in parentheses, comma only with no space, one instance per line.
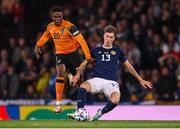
(50,24)
(98,48)
(117,48)
(67,24)
(71,27)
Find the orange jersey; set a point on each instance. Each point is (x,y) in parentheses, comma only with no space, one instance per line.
(66,38)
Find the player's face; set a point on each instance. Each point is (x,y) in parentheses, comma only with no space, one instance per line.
(57,17)
(109,39)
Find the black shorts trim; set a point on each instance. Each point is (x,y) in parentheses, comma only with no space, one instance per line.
(59,81)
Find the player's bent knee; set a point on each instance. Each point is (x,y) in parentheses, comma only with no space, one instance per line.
(115,101)
(61,70)
(115,97)
(60,74)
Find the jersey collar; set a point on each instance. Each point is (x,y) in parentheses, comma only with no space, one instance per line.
(107,47)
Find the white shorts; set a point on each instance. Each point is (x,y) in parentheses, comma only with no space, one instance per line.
(99,85)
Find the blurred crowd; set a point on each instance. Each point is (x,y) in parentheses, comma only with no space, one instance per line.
(148,33)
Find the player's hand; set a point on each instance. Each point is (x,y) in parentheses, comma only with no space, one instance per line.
(37,51)
(146,84)
(75,80)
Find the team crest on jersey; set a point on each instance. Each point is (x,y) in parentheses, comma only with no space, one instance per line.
(113,52)
(62,30)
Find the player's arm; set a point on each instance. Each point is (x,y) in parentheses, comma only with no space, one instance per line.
(80,70)
(145,84)
(43,39)
(80,39)
(83,66)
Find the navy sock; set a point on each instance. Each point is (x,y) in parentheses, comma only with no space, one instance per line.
(82,98)
(109,106)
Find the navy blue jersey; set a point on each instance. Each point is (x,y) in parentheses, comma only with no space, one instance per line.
(107,61)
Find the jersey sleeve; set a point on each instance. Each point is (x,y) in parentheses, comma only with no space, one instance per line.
(80,40)
(122,57)
(73,30)
(44,38)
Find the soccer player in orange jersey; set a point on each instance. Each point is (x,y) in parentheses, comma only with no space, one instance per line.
(67,39)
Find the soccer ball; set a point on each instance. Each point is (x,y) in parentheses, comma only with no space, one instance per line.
(81,115)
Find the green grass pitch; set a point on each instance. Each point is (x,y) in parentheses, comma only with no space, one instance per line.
(95,124)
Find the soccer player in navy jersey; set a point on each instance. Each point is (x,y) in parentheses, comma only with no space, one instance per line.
(107,58)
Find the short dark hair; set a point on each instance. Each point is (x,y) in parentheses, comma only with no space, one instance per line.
(110,29)
(56,9)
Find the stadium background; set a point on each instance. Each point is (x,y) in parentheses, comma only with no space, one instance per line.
(148,33)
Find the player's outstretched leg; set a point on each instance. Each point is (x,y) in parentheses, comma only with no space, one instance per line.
(81,100)
(97,116)
(109,106)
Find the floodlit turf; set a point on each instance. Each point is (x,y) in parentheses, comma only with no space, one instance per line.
(95,124)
